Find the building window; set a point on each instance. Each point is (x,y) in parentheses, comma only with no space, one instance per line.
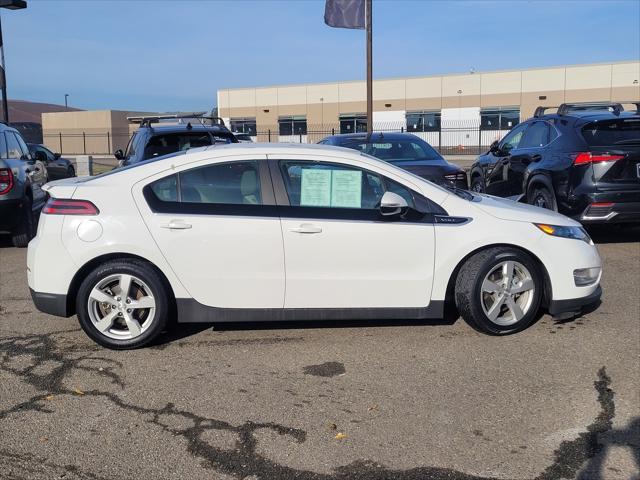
(292,125)
(353,123)
(501,118)
(423,121)
(244,125)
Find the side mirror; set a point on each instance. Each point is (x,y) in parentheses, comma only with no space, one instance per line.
(119,154)
(495,147)
(56,156)
(392,204)
(41,157)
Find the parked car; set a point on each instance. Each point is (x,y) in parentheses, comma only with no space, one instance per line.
(406,151)
(243,137)
(190,131)
(582,161)
(57,167)
(21,181)
(205,234)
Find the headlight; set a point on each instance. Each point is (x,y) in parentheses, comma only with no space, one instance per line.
(577,233)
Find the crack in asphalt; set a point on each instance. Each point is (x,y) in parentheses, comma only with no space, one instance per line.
(244,460)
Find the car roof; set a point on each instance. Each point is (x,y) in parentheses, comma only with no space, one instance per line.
(589,115)
(375,136)
(195,127)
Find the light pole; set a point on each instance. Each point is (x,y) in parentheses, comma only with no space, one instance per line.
(66,95)
(10,5)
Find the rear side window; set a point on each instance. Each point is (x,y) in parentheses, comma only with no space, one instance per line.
(612,132)
(13,147)
(3,146)
(537,135)
(235,183)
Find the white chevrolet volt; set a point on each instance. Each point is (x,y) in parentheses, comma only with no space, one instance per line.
(257,232)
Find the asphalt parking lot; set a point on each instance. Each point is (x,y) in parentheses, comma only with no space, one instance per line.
(327,401)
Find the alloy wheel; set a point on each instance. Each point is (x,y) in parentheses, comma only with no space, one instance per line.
(121,306)
(507,293)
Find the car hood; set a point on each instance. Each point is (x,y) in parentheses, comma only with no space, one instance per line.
(505,209)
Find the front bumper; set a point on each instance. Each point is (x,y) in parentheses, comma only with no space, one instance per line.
(573,305)
(51,303)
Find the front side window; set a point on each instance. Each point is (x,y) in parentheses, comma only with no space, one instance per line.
(23,147)
(233,183)
(311,184)
(537,135)
(512,140)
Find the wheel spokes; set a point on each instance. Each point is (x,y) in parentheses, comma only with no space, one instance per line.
(106,322)
(507,272)
(132,324)
(125,285)
(525,285)
(515,309)
(496,307)
(143,302)
(490,287)
(100,296)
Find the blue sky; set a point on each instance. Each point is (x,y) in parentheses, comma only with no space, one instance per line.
(173,55)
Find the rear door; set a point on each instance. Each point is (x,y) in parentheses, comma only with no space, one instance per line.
(620,139)
(529,150)
(218,228)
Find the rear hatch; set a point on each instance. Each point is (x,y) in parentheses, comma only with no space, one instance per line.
(619,140)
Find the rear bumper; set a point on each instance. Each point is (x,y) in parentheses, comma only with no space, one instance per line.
(611,212)
(51,303)
(574,305)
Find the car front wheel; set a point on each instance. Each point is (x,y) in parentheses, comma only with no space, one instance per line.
(477,185)
(123,304)
(499,290)
(542,197)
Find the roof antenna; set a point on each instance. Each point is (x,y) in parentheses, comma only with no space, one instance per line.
(189,126)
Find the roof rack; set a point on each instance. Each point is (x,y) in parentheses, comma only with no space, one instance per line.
(146,121)
(565,108)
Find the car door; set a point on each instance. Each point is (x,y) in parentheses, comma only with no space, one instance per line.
(497,177)
(528,151)
(340,252)
(217,225)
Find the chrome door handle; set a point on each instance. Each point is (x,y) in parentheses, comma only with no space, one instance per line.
(306,228)
(176,225)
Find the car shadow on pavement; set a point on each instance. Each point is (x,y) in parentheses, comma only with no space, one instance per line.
(5,241)
(616,233)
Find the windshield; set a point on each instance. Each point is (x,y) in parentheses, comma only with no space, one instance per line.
(607,133)
(393,150)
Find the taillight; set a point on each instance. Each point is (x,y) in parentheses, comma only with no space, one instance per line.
(6,180)
(456,176)
(588,157)
(69,207)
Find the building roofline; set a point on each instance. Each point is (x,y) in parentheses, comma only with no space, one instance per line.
(410,77)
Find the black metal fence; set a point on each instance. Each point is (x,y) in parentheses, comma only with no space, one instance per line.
(450,138)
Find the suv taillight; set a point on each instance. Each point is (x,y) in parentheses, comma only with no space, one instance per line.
(588,157)
(56,206)
(6,180)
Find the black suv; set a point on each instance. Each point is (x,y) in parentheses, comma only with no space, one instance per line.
(583,161)
(21,194)
(155,139)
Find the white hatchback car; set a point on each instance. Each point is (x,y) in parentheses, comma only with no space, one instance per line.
(257,232)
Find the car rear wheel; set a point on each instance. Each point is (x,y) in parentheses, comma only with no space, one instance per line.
(541,196)
(498,291)
(71,172)
(25,231)
(123,304)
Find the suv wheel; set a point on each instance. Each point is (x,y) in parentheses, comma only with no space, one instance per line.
(477,185)
(25,231)
(499,290)
(541,196)
(123,304)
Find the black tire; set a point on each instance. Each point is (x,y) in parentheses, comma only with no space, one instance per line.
(160,290)
(541,196)
(26,230)
(468,289)
(477,185)
(71,172)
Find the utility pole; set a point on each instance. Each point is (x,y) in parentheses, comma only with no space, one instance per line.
(10,5)
(66,95)
(368,16)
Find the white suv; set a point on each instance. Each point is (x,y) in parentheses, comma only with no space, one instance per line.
(253,232)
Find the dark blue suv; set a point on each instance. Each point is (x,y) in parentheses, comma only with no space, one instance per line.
(582,161)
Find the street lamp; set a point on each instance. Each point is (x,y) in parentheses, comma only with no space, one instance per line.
(9,5)
(66,95)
